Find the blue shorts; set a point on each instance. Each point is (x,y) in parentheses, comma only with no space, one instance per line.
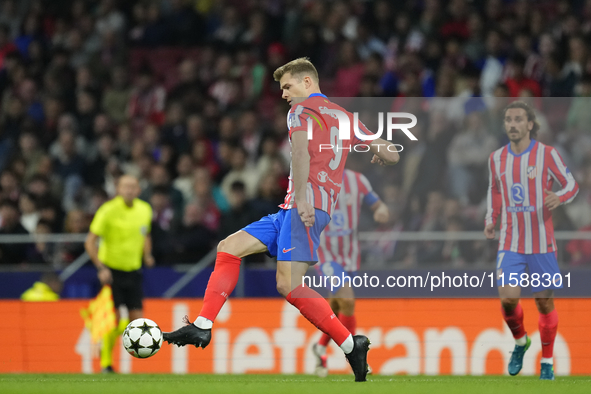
(330,269)
(542,270)
(285,235)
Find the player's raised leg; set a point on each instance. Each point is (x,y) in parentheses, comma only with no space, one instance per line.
(548,325)
(221,283)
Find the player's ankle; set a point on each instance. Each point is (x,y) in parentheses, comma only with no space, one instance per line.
(203,323)
(521,341)
(348,344)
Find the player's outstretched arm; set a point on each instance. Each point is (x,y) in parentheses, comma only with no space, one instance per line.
(385,152)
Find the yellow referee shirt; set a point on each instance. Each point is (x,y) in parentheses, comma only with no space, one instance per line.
(123,232)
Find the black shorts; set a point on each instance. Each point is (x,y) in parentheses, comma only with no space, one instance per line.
(127,289)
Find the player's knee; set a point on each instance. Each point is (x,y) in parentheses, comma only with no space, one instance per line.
(223,245)
(545,305)
(283,287)
(509,304)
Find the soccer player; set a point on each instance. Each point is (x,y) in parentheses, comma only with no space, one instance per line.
(123,226)
(339,252)
(522,174)
(293,233)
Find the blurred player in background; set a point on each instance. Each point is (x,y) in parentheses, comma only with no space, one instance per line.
(293,233)
(522,174)
(123,226)
(339,252)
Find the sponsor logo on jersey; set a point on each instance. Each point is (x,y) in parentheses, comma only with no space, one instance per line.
(322,176)
(528,208)
(518,193)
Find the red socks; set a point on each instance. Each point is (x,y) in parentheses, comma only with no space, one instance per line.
(324,340)
(514,320)
(317,310)
(350,323)
(548,325)
(221,283)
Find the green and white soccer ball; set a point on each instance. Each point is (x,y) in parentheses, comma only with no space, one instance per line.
(142,338)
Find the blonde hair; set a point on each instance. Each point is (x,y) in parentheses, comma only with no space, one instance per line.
(297,68)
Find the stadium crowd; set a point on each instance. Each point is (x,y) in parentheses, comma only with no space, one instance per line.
(180,94)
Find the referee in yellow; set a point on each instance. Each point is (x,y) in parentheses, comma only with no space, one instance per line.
(123,226)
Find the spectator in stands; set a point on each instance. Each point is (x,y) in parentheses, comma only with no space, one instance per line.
(241,171)
(580,250)
(70,167)
(241,211)
(117,95)
(518,80)
(467,154)
(349,72)
(160,178)
(208,198)
(250,134)
(9,186)
(174,130)
(492,70)
(42,252)
(86,111)
(29,213)
(268,197)
(558,80)
(11,253)
(164,223)
(95,173)
(193,239)
(147,100)
(76,223)
(184,179)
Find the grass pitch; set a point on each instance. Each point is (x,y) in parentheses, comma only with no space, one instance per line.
(284,384)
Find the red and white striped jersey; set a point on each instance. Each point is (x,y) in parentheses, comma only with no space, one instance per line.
(516,192)
(328,153)
(339,241)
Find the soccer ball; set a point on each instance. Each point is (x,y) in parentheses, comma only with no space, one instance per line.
(142,338)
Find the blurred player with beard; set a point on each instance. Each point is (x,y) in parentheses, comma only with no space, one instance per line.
(522,174)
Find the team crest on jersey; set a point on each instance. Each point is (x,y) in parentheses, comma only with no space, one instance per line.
(531,172)
(322,176)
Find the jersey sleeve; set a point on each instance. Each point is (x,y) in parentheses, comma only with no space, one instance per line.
(297,120)
(493,197)
(149,216)
(364,131)
(369,196)
(99,222)
(562,174)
